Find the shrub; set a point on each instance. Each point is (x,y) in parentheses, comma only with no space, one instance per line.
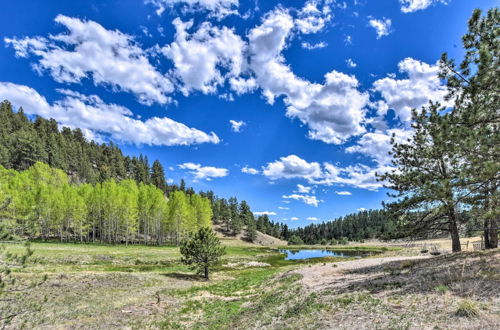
(467,308)
(295,240)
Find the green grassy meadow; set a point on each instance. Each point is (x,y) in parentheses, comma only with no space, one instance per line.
(101,286)
(146,287)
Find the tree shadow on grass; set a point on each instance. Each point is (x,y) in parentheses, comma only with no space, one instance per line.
(184,276)
(464,274)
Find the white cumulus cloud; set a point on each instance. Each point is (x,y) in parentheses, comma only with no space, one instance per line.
(204,172)
(381,26)
(333,111)
(350,63)
(95,118)
(311,18)
(200,57)
(343,193)
(402,95)
(308,45)
(294,167)
(88,50)
(303,189)
(308,199)
(237,125)
(291,167)
(359,175)
(377,145)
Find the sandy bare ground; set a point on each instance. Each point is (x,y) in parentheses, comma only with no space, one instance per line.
(406,292)
(322,276)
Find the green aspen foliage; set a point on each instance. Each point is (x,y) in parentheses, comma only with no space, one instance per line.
(44,204)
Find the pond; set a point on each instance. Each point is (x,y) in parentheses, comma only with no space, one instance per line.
(308,254)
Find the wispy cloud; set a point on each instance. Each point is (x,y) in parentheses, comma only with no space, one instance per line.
(307,45)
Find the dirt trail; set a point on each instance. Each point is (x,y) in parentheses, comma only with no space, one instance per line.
(346,273)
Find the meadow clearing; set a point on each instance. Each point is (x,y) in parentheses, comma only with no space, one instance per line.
(137,287)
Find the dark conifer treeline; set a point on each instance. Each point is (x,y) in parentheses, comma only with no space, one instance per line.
(24,142)
(352,227)
(235,217)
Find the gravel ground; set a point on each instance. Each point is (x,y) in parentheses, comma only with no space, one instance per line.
(321,276)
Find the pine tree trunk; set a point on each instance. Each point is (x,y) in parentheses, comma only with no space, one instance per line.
(206,272)
(491,234)
(493,224)
(455,237)
(486,233)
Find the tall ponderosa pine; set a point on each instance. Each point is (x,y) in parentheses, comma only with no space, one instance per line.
(452,163)
(475,88)
(426,179)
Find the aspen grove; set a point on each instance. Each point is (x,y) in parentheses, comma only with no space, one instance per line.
(41,203)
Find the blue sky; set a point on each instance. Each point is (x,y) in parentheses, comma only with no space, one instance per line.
(289,105)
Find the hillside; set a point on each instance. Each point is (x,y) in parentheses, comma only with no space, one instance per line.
(261,238)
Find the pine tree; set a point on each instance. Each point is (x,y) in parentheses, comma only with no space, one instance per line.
(426,179)
(158,176)
(234,223)
(182,185)
(202,250)
(474,86)
(251,232)
(247,218)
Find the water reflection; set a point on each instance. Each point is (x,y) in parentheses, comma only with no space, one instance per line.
(308,254)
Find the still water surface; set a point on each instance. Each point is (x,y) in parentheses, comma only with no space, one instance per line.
(308,254)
